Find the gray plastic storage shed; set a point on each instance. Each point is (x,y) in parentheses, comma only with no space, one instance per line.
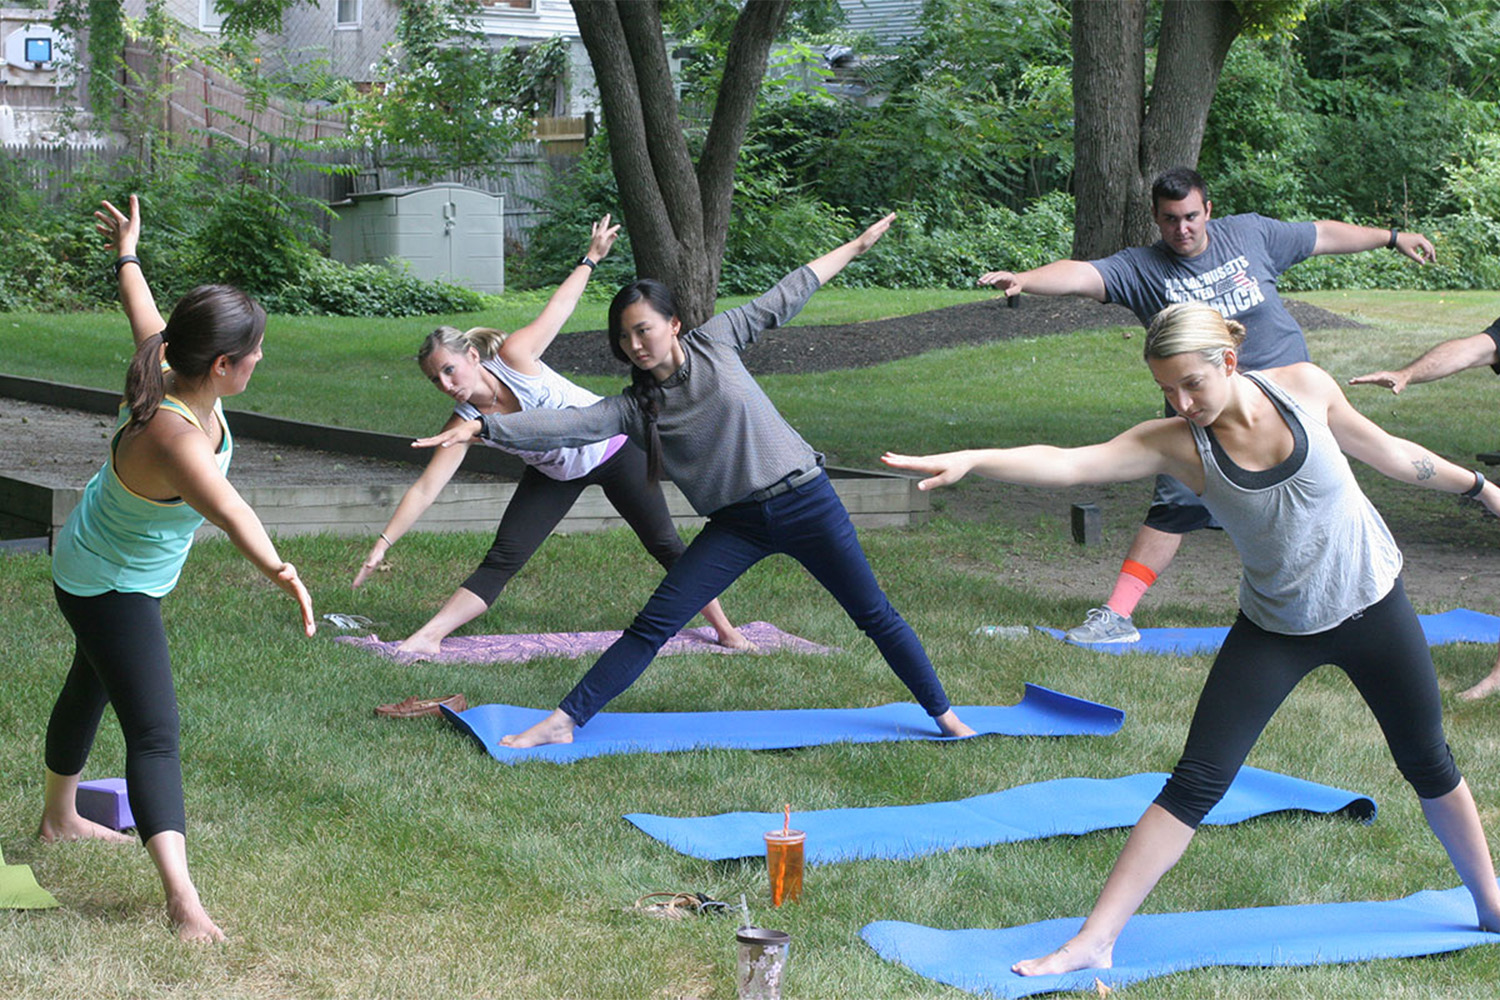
(445,231)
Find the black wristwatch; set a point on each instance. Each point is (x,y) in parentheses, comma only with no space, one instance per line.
(584,260)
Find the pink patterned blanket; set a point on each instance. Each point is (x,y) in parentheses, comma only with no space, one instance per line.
(519,648)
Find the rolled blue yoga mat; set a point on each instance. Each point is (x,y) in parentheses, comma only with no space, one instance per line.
(1027,812)
(1041,712)
(1458,625)
(1426,923)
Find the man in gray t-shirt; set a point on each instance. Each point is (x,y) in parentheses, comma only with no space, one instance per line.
(1232,264)
(1449,358)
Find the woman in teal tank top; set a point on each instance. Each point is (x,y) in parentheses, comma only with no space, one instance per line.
(123,547)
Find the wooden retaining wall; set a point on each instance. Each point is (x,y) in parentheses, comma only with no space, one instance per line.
(874,499)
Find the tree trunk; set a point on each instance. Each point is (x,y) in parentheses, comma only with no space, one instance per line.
(1122,139)
(678,217)
(1109,82)
(1195,39)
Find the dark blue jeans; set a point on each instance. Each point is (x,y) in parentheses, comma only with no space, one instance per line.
(808,523)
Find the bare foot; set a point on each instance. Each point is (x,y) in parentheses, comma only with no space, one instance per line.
(75,827)
(733,638)
(1483,689)
(417,646)
(192,921)
(950,725)
(1069,958)
(555,728)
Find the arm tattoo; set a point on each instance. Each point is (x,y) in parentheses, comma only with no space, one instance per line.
(1425,468)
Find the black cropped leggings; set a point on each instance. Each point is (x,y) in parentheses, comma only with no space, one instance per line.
(120,658)
(540,502)
(1382,650)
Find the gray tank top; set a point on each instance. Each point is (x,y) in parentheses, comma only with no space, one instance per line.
(1313,548)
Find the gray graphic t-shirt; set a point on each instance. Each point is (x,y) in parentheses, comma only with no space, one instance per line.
(1236,275)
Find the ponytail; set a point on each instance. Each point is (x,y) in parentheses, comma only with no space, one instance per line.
(144,386)
(648,395)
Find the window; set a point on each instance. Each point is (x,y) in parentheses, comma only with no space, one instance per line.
(210,18)
(509,6)
(346,14)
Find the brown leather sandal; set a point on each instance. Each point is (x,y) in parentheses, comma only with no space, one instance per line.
(415,708)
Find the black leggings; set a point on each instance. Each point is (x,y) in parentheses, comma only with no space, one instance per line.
(120,658)
(1382,650)
(540,502)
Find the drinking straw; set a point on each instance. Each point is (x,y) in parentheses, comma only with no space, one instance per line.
(786,822)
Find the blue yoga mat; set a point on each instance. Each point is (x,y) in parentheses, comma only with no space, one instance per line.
(979,961)
(1028,812)
(1041,712)
(1458,625)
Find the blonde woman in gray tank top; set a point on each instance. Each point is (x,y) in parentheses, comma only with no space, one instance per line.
(1320,585)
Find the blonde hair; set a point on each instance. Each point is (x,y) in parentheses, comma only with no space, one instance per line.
(485,341)
(1186,327)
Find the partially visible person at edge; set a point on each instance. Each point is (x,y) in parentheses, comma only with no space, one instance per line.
(707,424)
(1232,264)
(122,550)
(1449,358)
(489,372)
(1320,584)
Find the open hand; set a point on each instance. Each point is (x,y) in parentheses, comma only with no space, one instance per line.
(288,580)
(122,232)
(602,239)
(871,236)
(1394,381)
(941,470)
(1006,281)
(458,434)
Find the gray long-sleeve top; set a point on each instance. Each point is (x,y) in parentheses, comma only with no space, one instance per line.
(721,437)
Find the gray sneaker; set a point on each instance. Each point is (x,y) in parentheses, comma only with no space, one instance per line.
(1103,625)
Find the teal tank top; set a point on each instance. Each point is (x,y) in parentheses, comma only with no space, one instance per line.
(118,540)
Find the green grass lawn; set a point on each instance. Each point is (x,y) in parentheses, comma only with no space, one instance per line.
(348,856)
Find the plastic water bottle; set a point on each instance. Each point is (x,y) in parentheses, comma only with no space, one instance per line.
(1003,631)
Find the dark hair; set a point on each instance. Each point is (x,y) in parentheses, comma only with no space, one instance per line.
(643,387)
(209,321)
(1176,184)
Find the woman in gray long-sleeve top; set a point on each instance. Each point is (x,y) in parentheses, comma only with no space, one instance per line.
(707,425)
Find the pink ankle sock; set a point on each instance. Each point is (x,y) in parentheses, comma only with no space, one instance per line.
(1134,580)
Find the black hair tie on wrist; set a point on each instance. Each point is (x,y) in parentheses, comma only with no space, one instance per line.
(1392,244)
(123,259)
(1474,491)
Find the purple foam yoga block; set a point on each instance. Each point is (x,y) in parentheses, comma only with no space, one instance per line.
(105,801)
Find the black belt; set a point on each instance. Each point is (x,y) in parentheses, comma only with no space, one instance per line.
(789,482)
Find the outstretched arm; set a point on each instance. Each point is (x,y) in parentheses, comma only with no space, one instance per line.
(1445,359)
(831,263)
(1342,237)
(414,503)
(194,474)
(1061,277)
(524,347)
(124,234)
(1362,438)
(1151,448)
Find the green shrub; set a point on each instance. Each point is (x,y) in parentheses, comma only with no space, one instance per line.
(327,287)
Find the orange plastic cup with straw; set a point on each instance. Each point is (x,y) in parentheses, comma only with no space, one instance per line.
(784,860)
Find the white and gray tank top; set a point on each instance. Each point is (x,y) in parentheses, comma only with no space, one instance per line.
(1313,548)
